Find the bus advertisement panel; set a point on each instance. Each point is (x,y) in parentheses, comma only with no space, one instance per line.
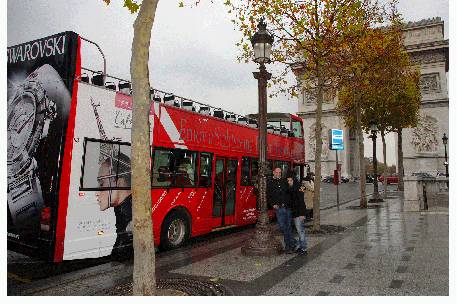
(99,209)
(39,88)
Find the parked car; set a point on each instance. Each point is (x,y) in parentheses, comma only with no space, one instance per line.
(370,179)
(393,179)
(344,179)
(422,174)
(440,174)
(328,179)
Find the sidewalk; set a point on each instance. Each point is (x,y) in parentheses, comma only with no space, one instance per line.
(383,251)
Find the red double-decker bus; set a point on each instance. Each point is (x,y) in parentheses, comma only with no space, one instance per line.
(69,163)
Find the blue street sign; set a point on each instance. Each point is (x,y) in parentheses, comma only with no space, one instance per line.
(336,138)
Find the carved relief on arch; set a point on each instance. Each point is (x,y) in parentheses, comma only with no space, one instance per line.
(430,83)
(425,135)
(310,95)
(312,141)
(426,57)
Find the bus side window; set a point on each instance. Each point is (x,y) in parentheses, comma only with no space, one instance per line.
(162,172)
(297,129)
(285,168)
(206,161)
(245,171)
(254,170)
(185,164)
(298,172)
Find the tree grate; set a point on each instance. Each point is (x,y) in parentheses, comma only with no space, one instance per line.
(177,287)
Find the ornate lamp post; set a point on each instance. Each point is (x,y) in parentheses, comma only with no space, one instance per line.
(263,242)
(374,131)
(446,164)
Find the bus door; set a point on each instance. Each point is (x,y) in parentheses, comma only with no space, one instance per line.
(224,196)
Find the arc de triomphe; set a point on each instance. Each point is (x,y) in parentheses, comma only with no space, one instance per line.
(423,149)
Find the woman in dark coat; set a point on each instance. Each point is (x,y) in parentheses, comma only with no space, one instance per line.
(297,203)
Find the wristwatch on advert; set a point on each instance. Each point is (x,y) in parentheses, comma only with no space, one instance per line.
(30,111)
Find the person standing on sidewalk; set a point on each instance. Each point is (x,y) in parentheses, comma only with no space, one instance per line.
(308,183)
(278,199)
(297,203)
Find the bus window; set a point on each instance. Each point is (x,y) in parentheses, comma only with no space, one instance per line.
(297,129)
(185,173)
(245,171)
(254,170)
(162,172)
(285,168)
(206,161)
(298,172)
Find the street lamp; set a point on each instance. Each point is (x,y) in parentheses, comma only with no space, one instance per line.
(374,130)
(263,243)
(446,164)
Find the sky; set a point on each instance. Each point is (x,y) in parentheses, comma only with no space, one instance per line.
(192,53)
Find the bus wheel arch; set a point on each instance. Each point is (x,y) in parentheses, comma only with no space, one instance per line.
(175,229)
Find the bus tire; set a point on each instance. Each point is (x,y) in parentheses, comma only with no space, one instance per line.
(175,230)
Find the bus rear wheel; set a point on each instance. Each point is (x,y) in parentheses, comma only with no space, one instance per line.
(175,230)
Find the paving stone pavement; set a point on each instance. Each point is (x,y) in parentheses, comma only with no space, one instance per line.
(383,251)
(395,253)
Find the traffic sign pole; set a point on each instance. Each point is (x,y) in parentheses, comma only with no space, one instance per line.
(337,183)
(336,140)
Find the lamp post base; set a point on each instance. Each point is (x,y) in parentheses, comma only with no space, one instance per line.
(375,199)
(262,243)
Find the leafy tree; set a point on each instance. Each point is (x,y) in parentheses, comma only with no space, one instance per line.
(396,99)
(362,64)
(310,35)
(406,112)
(388,86)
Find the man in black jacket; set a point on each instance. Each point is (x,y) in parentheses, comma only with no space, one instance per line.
(297,203)
(277,198)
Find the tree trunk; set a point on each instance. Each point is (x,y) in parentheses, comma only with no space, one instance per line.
(384,151)
(318,153)
(400,159)
(144,282)
(359,141)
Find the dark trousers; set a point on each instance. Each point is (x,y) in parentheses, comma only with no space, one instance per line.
(309,214)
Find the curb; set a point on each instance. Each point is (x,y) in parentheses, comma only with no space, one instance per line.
(69,278)
(352,200)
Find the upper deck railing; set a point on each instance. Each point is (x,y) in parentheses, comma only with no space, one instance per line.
(98,78)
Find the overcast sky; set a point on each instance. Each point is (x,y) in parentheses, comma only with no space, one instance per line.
(193,52)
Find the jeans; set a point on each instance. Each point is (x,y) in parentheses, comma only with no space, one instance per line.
(284,217)
(300,226)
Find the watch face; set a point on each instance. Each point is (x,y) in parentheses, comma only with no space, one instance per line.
(21,121)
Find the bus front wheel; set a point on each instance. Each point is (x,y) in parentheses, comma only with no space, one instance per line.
(175,230)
